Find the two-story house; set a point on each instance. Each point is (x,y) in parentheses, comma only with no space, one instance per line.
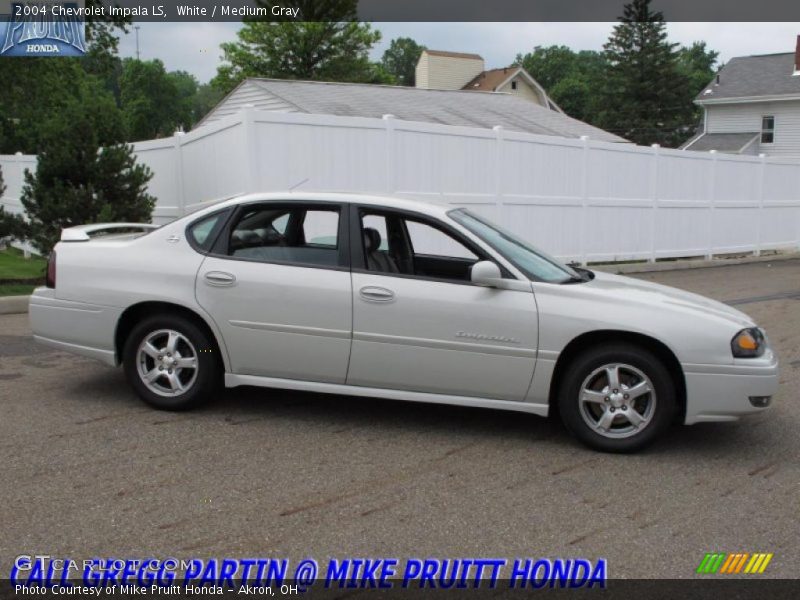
(438,70)
(752,107)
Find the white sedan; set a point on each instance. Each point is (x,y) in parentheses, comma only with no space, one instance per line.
(390,298)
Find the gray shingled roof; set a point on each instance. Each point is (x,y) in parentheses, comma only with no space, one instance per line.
(470,109)
(722,142)
(745,76)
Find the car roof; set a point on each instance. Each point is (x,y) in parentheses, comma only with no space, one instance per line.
(427,208)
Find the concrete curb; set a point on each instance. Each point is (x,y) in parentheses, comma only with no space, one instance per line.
(680,265)
(14,305)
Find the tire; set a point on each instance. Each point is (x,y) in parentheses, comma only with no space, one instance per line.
(175,344)
(622,421)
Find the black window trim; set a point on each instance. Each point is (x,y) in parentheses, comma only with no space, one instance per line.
(767,131)
(357,256)
(220,246)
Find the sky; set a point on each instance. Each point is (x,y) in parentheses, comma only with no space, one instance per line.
(194,47)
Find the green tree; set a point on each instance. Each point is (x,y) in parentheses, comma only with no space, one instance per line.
(151,101)
(35,89)
(186,86)
(206,98)
(81,178)
(570,78)
(102,59)
(698,64)
(644,94)
(329,45)
(11,226)
(400,59)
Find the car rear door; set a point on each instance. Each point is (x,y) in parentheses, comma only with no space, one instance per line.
(277,283)
(426,327)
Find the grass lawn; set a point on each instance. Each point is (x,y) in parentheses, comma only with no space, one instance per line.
(13,265)
(16,290)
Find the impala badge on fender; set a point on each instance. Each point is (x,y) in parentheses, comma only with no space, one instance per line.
(488,338)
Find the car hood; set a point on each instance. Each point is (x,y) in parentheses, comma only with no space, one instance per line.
(655,294)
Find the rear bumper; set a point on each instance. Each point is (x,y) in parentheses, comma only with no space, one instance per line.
(77,327)
(723,392)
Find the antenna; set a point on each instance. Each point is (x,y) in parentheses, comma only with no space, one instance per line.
(136,27)
(298,184)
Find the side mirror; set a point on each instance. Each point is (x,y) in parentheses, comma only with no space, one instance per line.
(486,273)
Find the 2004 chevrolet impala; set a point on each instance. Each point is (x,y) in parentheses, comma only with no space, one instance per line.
(391,298)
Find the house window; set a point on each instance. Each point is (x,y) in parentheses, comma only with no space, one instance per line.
(767,130)
(513,85)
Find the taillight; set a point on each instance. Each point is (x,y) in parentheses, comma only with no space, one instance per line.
(50,278)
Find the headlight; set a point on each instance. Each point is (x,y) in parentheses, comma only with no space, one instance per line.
(749,343)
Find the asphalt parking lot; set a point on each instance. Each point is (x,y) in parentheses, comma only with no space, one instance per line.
(88,470)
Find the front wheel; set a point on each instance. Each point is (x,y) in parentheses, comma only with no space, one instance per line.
(617,398)
(171,362)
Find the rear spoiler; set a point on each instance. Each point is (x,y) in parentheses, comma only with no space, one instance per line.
(81,233)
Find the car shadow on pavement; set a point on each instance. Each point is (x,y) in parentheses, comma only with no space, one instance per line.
(388,415)
(326,412)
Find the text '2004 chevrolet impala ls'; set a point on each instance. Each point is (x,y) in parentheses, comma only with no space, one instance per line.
(390,298)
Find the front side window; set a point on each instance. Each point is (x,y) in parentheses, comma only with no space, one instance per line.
(533,262)
(767,130)
(427,240)
(405,245)
(301,235)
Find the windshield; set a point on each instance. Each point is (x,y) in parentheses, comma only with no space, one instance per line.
(536,264)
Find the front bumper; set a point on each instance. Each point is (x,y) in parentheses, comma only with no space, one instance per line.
(723,392)
(77,327)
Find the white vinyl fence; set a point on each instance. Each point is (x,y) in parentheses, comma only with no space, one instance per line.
(578,199)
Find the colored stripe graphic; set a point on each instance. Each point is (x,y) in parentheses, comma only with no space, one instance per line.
(711,563)
(733,563)
(741,562)
(758,563)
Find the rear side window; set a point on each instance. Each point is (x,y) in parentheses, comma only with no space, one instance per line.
(321,229)
(303,235)
(202,233)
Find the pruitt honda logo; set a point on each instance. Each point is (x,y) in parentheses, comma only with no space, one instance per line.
(42,28)
(728,564)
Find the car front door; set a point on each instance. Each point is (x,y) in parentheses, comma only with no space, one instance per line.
(419,323)
(277,283)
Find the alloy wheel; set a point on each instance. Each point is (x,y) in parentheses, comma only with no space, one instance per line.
(167,362)
(617,400)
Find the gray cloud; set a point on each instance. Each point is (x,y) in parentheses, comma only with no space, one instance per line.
(194,47)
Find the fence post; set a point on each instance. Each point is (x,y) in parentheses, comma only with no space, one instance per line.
(388,122)
(251,147)
(18,208)
(760,210)
(584,220)
(498,174)
(179,188)
(20,175)
(712,197)
(654,200)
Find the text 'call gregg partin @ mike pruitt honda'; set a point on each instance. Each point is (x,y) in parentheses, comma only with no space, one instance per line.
(171,575)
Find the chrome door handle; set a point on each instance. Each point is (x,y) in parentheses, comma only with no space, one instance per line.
(220,278)
(372,293)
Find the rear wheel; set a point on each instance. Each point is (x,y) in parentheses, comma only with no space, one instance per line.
(171,362)
(617,398)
